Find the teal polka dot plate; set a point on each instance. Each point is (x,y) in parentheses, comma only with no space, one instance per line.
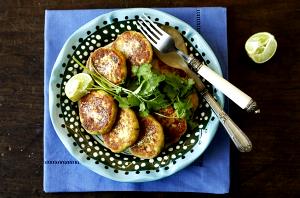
(89,149)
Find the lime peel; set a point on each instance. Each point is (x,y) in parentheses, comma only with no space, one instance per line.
(261,46)
(78,86)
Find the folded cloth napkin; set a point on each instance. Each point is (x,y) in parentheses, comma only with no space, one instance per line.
(62,173)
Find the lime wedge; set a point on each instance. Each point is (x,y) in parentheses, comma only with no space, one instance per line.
(261,46)
(77,86)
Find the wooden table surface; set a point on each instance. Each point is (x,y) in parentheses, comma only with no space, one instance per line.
(272,169)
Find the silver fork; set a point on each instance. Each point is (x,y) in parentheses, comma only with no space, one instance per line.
(164,43)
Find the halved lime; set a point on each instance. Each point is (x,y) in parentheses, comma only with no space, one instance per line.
(261,46)
(77,86)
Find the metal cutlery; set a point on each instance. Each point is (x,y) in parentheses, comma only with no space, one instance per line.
(164,43)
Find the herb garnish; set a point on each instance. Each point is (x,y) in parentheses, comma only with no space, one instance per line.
(152,91)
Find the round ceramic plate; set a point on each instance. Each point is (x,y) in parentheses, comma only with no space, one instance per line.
(88,149)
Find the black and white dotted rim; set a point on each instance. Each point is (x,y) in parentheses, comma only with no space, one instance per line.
(75,151)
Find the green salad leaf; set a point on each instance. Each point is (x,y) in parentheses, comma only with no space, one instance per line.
(182,107)
(147,91)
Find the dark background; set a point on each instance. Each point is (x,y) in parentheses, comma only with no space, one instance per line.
(272,169)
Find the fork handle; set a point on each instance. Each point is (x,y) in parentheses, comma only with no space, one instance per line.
(238,137)
(231,91)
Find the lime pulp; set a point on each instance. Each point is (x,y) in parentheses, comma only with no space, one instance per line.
(261,46)
(78,86)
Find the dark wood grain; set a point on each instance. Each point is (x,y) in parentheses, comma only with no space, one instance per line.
(272,169)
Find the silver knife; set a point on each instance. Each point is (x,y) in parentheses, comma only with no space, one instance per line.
(238,137)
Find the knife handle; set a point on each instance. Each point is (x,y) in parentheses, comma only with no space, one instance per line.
(238,137)
(231,91)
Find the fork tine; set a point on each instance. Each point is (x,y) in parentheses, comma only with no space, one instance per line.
(158,29)
(146,33)
(151,29)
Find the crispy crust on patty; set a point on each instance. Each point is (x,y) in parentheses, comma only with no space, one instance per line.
(162,68)
(124,133)
(135,47)
(173,127)
(97,112)
(194,99)
(151,139)
(110,63)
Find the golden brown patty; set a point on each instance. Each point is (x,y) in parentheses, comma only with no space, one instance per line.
(124,133)
(110,63)
(173,127)
(97,112)
(151,139)
(162,68)
(194,99)
(135,47)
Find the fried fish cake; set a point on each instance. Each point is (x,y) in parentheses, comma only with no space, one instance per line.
(173,127)
(162,68)
(135,47)
(151,139)
(110,63)
(124,133)
(194,99)
(97,112)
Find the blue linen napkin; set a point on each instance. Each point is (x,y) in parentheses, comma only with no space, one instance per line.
(63,173)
